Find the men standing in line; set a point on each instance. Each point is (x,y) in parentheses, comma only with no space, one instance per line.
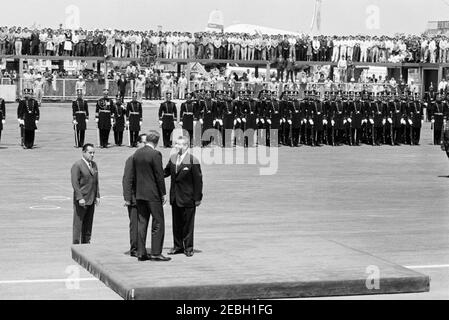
(104,116)
(80,112)
(186,193)
(148,175)
(2,116)
(86,194)
(167,119)
(119,121)
(28,116)
(186,116)
(129,195)
(134,119)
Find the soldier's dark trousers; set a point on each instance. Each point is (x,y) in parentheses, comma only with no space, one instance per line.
(0,135)
(408,135)
(83,218)
(166,135)
(286,134)
(80,136)
(133,231)
(437,136)
(319,137)
(378,135)
(28,138)
(396,135)
(356,135)
(295,136)
(134,137)
(104,137)
(118,137)
(416,133)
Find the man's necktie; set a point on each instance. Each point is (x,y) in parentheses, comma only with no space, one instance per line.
(178,163)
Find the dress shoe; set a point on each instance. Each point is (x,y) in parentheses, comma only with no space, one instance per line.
(189,253)
(175,251)
(133,254)
(159,258)
(144,258)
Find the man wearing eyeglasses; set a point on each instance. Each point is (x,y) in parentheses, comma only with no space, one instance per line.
(86,194)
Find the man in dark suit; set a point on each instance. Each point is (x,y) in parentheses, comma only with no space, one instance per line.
(2,116)
(86,194)
(150,196)
(129,194)
(186,193)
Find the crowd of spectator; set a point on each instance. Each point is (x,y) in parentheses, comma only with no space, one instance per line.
(232,46)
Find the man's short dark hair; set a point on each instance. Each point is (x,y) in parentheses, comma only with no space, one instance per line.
(153,137)
(86,146)
(142,137)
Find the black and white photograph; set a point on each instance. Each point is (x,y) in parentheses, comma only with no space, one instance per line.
(223,150)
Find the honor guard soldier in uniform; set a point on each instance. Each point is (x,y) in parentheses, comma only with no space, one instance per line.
(28,117)
(274,121)
(338,116)
(186,115)
(418,119)
(218,116)
(168,115)
(357,117)
(134,119)
(430,99)
(104,116)
(229,119)
(2,116)
(439,113)
(378,116)
(261,117)
(349,101)
(119,120)
(264,92)
(207,117)
(80,113)
(395,111)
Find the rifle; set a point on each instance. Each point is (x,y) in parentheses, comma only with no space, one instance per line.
(128,133)
(98,137)
(21,134)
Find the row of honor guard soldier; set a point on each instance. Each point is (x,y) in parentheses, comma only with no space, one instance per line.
(28,116)
(2,116)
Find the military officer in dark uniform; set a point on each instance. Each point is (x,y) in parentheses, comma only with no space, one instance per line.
(418,118)
(2,116)
(207,117)
(119,120)
(338,117)
(80,113)
(274,121)
(297,117)
(104,116)
(357,117)
(395,109)
(134,116)
(218,116)
(28,115)
(439,114)
(168,115)
(249,117)
(187,115)
(229,119)
(378,116)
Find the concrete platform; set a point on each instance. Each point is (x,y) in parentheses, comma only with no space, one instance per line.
(308,267)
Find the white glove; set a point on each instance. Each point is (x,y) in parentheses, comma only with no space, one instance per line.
(87,120)
(390,120)
(289,121)
(220,122)
(269,121)
(371,121)
(235,121)
(215,122)
(3,121)
(75,122)
(402,121)
(410,122)
(244,120)
(21,122)
(96,120)
(283,120)
(180,123)
(36,122)
(140,123)
(432,120)
(257,120)
(112,121)
(311,122)
(332,122)
(201,121)
(383,121)
(422,121)
(426,104)
(262,120)
(127,123)
(344,121)
(239,120)
(160,122)
(349,120)
(194,123)
(325,121)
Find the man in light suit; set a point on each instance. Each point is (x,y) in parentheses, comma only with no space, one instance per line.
(186,193)
(86,194)
(150,195)
(129,194)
